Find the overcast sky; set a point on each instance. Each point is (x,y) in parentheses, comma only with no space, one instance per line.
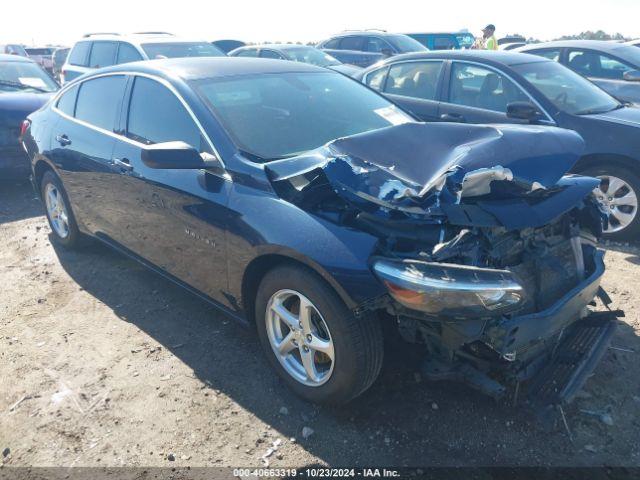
(63,21)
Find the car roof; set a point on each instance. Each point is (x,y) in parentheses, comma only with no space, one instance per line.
(5,57)
(602,45)
(503,57)
(138,38)
(380,33)
(440,32)
(195,68)
(626,52)
(276,46)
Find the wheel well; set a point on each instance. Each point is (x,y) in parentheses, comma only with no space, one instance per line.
(255,272)
(597,159)
(39,170)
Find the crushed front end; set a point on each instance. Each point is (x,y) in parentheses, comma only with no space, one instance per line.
(487,249)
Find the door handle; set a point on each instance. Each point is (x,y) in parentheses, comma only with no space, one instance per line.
(452,117)
(63,140)
(123,163)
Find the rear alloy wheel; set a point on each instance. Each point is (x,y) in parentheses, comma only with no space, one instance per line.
(321,350)
(61,220)
(618,194)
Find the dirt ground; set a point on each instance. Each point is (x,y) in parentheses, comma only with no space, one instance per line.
(103,363)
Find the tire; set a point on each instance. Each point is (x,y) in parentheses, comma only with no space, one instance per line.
(616,232)
(357,344)
(71,239)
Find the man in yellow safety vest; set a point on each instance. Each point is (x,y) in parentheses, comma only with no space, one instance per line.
(489,38)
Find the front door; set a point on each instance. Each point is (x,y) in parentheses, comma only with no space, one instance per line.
(175,219)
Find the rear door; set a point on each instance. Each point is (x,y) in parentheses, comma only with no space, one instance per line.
(83,142)
(175,219)
(478,94)
(413,85)
(103,54)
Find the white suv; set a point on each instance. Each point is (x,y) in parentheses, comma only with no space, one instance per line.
(97,50)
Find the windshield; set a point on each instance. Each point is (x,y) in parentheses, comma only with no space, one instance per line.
(405,44)
(465,40)
(25,76)
(311,55)
(181,49)
(281,115)
(567,90)
(629,54)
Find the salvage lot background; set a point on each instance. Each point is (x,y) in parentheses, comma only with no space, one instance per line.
(104,363)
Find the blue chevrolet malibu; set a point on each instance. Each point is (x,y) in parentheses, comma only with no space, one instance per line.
(24,87)
(306,204)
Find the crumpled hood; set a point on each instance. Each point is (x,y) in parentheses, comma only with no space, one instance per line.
(426,169)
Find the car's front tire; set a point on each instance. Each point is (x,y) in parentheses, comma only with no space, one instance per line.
(58,210)
(326,354)
(618,193)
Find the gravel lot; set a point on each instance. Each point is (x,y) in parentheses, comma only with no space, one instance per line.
(103,363)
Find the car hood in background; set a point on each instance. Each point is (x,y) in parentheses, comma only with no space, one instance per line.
(346,69)
(629,116)
(15,106)
(502,175)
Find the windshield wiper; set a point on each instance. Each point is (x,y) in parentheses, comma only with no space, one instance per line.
(21,86)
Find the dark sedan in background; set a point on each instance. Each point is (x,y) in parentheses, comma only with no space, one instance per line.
(364,48)
(613,66)
(24,88)
(295,53)
(508,87)
(296,199)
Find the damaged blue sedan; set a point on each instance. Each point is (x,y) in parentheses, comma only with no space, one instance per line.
(309,206)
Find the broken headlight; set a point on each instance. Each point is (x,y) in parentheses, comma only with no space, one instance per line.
(450,290)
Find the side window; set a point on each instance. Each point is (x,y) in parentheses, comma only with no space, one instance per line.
(597,65)
(156,115)
(375,79)
(79,54)
(270,54)
(444,42)
(377,45)
(333,44)
(352,43)
(103,54)
(479,87)
(127,53)
(99,101)
(414,79)
(551,54)
(252,52)
(67,102)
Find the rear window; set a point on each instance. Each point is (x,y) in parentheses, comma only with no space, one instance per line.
(99,101)
(80,53)
(39,51)
(103,54)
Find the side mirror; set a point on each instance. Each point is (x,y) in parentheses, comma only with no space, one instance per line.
(178,156)
(523,111)
(387,52)
(632,76)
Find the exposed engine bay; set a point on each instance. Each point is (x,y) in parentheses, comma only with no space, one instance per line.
(485,244)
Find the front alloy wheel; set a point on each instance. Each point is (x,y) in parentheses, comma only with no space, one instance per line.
(299,337)
(619,200)
(320,349)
